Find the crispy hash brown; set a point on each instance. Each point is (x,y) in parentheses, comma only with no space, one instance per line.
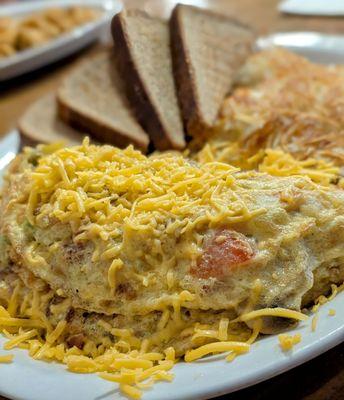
(282,102)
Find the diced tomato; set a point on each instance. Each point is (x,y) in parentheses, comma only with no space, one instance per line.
(223,251)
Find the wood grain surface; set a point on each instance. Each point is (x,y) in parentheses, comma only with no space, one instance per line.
(318,379)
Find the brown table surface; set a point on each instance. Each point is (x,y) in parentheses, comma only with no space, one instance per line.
(318,379)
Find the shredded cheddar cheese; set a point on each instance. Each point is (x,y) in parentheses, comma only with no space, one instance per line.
(276,312)
(278,163)
(272,161)
(100,188)
(315,322)
(217,347)
(20,338)
(7,358)
(103,191)
(115,265)
(323,299)
(128,361)
(285,103)
(287,342)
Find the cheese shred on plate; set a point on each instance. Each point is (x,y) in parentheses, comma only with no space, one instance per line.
(287,342)
(6,358)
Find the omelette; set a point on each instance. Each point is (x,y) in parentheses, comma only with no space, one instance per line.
(119,237)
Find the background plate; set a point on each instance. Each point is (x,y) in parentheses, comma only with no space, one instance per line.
(63,46)
(318,47)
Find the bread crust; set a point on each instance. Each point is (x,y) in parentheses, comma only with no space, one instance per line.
(184,78)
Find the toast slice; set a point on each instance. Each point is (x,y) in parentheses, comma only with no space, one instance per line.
(207,49)
(40,124)
(145,63)
(92,98)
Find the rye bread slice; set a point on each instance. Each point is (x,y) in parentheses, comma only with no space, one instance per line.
(92,98)
(40,124)
(207,49)
(145,63)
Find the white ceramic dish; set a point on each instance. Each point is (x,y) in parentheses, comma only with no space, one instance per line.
(333,8)
(318,47)
(27,379)
(56,49)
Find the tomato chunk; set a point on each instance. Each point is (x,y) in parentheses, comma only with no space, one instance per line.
(223,251)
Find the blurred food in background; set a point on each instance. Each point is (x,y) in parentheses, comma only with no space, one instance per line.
(38,28)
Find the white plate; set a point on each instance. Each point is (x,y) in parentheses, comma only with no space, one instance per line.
(318,47)
(27,379)
(333,8)
(66,44)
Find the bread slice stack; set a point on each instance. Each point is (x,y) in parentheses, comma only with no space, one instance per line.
(162,82)
(92,99)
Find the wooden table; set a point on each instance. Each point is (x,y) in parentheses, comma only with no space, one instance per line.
(261,14)
(319,379)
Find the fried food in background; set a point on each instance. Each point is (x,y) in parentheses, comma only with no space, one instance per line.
(39,28)
(8,34)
